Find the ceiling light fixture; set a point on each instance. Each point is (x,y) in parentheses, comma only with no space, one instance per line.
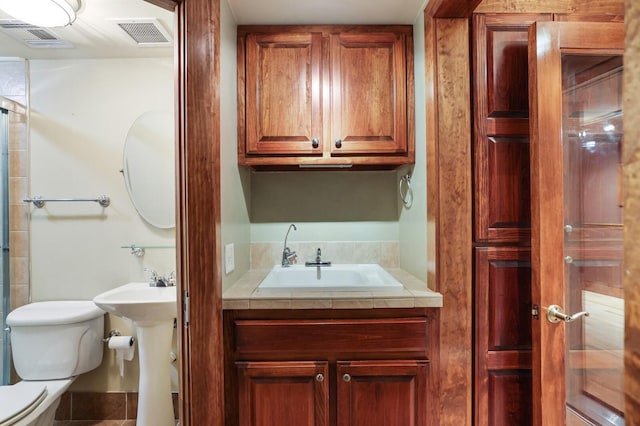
(42,13)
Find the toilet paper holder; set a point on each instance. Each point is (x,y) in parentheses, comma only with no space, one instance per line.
(114,333)
(111,334)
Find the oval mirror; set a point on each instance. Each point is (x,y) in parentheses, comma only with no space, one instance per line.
(148,167)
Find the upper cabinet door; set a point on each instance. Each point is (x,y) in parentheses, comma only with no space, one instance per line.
(283,93)
(369,96)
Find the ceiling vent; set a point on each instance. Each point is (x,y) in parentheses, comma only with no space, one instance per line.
(145,32)
(33,36)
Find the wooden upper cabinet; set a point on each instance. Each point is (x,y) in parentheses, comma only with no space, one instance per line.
(368,84)
(325,96)
(283,97)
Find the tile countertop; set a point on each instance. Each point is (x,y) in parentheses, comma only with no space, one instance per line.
(243,295)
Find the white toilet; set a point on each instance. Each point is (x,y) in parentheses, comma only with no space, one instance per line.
(51,343)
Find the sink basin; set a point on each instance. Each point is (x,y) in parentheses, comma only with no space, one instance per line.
(339,277)
(140,302)
(152,310)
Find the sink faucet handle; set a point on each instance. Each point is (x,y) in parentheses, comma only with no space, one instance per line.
(318,255)
(153,275)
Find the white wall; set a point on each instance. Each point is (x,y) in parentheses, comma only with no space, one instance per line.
(413,220)
(81,111)
(234,181)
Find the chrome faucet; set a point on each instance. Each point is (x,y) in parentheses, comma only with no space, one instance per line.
(156,280)
(287,255)
(318,261)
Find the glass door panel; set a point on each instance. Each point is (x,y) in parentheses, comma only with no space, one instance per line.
(593,240)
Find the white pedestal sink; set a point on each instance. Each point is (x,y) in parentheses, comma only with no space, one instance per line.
(152,310)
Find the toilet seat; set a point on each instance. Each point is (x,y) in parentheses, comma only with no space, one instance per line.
(17,401)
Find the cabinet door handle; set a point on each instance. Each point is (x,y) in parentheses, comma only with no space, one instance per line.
(338,143)
(319,377)
(315,142)
(346,377)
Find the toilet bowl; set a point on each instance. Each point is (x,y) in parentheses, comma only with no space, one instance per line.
(51,343)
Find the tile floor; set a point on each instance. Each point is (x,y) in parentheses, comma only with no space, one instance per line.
(97,423)
(94,423)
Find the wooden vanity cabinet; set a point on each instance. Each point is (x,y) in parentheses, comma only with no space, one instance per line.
(325,96)
(321,368)
(283,393)
(382,393)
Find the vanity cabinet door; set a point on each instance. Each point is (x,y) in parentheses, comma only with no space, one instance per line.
(369,93)
(283,393)
(382,393)
(283,94)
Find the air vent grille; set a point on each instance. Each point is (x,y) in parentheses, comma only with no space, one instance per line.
(31,35)
(145,32)
(41,34)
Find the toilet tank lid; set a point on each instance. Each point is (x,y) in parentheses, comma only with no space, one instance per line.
(54,313)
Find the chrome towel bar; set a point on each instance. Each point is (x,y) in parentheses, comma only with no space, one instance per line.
(39,201)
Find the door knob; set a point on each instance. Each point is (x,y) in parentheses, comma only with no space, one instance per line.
(555,314)
(315,142)
(338,143)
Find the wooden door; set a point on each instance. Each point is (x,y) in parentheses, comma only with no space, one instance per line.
(502,205)
(575,84)
(503,336)
(283,393)
(283,93)
(369,93)
(382,393)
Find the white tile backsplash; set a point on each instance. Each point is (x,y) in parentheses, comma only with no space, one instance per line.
(385,253)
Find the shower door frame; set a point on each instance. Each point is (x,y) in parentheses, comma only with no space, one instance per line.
(4,242)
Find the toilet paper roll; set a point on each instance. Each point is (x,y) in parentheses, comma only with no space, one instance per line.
(124,347)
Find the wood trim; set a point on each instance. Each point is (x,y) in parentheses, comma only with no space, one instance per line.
(431,120)
(598,7)
(631,147)
(451,8)
(198,214)
(525,6)
(325,29)
(453,227)
(583,8)
(170,5)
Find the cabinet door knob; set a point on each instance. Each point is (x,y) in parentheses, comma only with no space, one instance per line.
(319,377)
(338,143)
(315,142)
(346,377)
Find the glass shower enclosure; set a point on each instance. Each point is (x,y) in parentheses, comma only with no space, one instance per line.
(4,244)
